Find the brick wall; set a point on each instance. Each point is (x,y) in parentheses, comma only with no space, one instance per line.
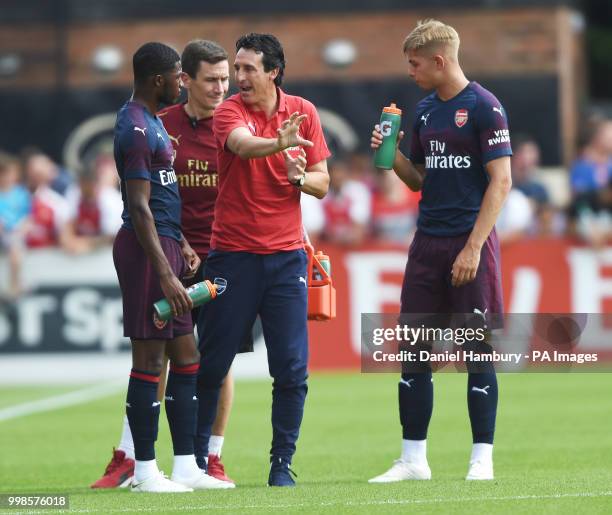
(495,43)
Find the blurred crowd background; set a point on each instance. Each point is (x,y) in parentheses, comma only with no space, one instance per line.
(51,197)
(43,204)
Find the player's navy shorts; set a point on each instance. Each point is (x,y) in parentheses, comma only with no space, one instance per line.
(427,284)
(140,288)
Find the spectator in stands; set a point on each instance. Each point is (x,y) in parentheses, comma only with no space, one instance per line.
(590,213)
(516,217)
(525,165)
(592,171)
(347,207)
(106,171)
(32,157)
(546,219)
(94,214)
(313,216)
(394,210)
(15,207)
(49,208)
(362,169)
(590,216)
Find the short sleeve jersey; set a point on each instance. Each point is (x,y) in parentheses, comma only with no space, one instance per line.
(143,151)
(195,164)
(257,209)
(455,139)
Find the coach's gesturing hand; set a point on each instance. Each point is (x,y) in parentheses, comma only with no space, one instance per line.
(465,266)
(175,293)
(288,132)
(296,166)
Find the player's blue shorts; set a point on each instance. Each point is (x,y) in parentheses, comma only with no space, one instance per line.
(140,288)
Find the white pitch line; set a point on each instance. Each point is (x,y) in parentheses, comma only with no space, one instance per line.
(61,401)
(388,502)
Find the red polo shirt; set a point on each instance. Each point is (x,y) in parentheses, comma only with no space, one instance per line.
(195,164)
(257,209)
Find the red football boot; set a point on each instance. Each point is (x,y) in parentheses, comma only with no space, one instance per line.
(119,472)
(216,468)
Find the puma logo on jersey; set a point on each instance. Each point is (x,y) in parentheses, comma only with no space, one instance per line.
(175,140)
(481,390)
(140,130)
(160,136)
(407,383)
(424,118)
(498,110)
(302,280)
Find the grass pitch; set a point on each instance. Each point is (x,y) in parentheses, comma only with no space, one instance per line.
(553,450)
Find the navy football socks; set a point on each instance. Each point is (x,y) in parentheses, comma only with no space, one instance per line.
(142,411)
(182,407)
(482,405)
(415,392)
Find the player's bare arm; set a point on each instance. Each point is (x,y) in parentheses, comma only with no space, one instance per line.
(411,175)
(466,264)
(316,177)
(138,194)
(191,258)
(246,146)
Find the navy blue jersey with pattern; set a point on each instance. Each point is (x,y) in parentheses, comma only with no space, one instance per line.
(455,139)
(143,150)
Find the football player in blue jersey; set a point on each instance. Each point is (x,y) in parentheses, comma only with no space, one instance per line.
(459,158)
(151,257)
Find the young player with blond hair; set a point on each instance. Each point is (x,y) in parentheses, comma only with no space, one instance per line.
(459,159)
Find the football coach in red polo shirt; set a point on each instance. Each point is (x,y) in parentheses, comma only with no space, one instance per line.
(271,150)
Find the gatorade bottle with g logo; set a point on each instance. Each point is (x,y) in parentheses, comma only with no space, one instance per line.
(389,128)
(200,293)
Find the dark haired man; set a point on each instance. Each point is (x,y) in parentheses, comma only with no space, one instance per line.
(270,149)
(205,75)
(190,127)
(151,257)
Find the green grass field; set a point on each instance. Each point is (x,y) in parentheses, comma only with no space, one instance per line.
(553,450)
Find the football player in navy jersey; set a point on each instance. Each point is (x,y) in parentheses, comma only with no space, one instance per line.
(459,159)
(151,257)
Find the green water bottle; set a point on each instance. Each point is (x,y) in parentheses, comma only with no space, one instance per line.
(389,128)
(200,293)
(325,262)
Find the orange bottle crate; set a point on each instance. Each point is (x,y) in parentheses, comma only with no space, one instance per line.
(321,291)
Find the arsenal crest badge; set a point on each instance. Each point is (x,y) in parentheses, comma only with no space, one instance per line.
(461,117)
(159,324)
